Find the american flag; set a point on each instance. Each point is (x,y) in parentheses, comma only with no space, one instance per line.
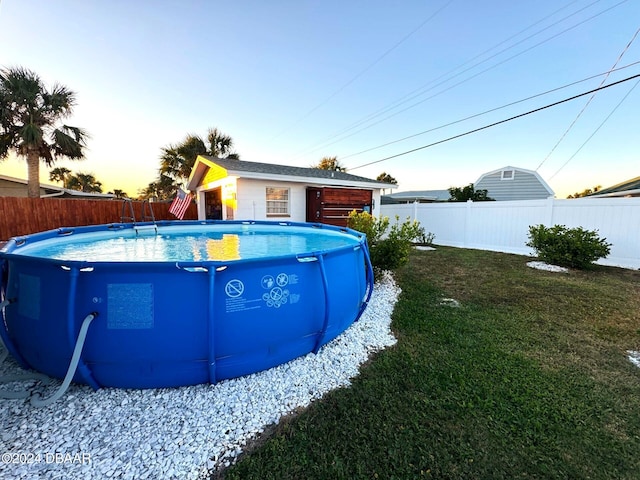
(180,204)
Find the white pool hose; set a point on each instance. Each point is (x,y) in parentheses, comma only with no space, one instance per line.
(71,371)
(36,398)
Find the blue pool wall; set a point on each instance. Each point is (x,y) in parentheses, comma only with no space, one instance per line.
(167,324)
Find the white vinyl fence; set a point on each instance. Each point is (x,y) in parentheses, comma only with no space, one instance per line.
(504,226)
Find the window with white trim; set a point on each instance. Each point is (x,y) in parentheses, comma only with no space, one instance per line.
(507,175)
(277,202)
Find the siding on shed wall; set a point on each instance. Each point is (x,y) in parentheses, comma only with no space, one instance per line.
(524,186)
(252,200)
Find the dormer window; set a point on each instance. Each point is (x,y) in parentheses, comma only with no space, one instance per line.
(507,175)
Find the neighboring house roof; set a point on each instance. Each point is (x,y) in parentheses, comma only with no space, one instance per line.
(10,185)
(224,167)
(514,183)
(628,188)
(416,196)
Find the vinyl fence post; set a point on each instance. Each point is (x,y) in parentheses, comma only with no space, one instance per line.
(467,221)
(549,213)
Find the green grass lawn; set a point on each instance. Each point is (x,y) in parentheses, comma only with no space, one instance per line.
(528,378)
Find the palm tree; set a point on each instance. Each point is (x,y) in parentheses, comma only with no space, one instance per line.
(29,118)
(220,145)
(330,163)
(162,189)
(386,178)
(119,193)
(176,161)
(59,174)
(85,182)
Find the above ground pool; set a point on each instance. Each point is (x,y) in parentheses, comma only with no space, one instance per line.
(177,303)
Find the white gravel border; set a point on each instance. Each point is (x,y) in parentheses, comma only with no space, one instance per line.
(547,267)
(182,432)
(634,357)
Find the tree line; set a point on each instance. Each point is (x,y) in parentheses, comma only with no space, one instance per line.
(32,126)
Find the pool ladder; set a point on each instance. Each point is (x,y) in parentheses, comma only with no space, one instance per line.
(150,217)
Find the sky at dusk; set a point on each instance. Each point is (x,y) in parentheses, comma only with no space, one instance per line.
(292,81)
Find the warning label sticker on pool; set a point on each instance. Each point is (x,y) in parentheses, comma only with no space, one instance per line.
(275,293)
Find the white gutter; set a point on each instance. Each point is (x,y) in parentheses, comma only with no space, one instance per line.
(52,194)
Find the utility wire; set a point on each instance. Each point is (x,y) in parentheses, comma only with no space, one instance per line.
(596,130)
(570,127)
(497,123)
(343,157)
(471,77)
(421,90)
(366,69)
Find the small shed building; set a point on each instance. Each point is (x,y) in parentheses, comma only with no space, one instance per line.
(513,183)
(228,189)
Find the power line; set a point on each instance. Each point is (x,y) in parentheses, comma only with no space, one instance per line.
(596,130)
(421,90)
(366,69)
(473,76)
(343,157)
(570,127)
(498,123)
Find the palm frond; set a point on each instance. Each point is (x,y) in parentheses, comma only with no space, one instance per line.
(68,142)
(59,102)
(31,135)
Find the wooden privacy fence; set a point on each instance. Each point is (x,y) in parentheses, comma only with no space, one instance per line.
(21,216)
(504,226)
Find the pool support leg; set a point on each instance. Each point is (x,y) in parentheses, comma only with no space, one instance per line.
(325,323)
(83,369)
(211,327)
(369,279)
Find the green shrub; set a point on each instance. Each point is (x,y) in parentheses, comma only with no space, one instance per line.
(425,238)
(392,251)
(368,224)
(389,254)
(567,247)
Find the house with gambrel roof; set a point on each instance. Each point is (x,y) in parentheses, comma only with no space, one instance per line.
(514,183)
(228,189)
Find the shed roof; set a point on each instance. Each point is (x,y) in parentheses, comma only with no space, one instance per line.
(418,196)
(272,171)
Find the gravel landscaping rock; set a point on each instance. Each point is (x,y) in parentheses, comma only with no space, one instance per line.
(181,432)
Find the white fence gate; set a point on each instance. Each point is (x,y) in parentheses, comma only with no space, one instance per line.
(504,226)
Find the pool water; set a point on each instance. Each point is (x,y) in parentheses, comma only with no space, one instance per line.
(196,244)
